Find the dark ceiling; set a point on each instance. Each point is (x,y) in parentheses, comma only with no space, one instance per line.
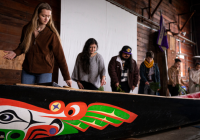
(195,22)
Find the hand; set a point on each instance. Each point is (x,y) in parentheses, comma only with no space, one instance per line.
(158,89)
(167,94)
(69,83)
(173,85)
(146,83)
(80,85)
(133,87)
(10,55)
(117,84)
(103,81)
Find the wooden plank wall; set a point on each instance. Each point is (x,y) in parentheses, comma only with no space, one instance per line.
(14,14)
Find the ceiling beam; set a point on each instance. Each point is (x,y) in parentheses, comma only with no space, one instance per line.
(156,8)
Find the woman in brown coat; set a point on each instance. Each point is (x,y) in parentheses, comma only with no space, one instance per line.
(41,43)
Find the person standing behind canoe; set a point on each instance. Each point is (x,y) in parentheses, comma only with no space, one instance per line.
(174,78)
(194,79)
(123,71)
(149,73)
(89,70)
(41,43)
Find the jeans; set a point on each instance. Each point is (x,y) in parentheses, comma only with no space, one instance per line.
(32,78)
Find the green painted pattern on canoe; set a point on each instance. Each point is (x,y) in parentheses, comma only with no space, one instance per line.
(109,110)
(91,114)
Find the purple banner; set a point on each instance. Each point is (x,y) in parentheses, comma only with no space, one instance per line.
(162,36)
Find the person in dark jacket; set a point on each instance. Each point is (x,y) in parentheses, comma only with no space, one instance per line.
(123,71)
(149,73)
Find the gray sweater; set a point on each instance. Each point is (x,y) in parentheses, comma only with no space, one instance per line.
(96,70)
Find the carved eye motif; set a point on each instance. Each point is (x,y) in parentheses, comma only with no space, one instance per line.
(57,106)
(6,117)
(9,116)
(75,110)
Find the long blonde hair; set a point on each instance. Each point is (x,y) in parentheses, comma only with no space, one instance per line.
(32,25)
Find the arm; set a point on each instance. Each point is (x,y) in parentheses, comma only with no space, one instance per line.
(142,73)
(102,70)
(191,77)
(112,71)
(170,76)
(183,82)
(75,73)
(158,75)
(136,75)
(19,50)
(60,57)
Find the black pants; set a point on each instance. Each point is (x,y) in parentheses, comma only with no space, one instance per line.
(148,90)
(88,85)
(173,90)
(124,86)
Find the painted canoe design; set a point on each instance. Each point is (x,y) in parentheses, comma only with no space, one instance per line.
(40,112)
(21,120)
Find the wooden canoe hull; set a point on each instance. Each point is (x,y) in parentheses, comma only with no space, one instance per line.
(43,116)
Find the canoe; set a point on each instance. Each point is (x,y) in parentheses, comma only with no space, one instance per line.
(45,112)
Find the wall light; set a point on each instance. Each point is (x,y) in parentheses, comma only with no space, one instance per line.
(183,33)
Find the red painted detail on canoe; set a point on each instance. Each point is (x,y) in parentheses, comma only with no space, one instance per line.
(194,95)
(40,131)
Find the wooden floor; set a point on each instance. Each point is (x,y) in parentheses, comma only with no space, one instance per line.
(131,139)
(184,133)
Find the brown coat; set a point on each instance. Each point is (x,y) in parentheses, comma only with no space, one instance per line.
(41,54)
(114,70)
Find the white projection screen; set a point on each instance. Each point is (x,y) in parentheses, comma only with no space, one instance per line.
(110,25)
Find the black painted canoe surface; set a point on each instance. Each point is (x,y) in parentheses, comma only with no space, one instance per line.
(149,113)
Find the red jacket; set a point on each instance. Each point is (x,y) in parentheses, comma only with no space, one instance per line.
(114,70)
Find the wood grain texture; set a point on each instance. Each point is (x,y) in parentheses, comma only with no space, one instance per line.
(9,38)
(11,30)
(8,46)
(15,64)
(10,77)
(6,11)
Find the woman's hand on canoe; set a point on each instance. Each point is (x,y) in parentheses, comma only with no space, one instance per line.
(10,55)
(133,87)
(69,83)
(117,84)
(80,85)
(103,81)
